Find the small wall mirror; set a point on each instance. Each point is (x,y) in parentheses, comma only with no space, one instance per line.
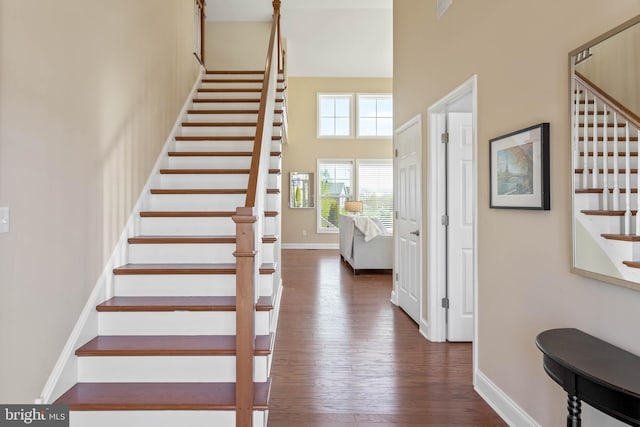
(301,194)
(605,108)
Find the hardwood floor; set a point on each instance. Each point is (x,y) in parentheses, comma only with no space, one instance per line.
(346,357)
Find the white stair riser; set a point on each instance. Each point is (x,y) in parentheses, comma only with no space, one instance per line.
(221,145)
(189,253)
(178,253)
(194,202)
(610,181)
(216,162)
(242,105)
(155,369)
(176,323)
(202,202)
(185,285)
(231,117)
(607,224)
(228,95)
(196,226)
(211,181)
(224,131)
(633,161)
(596,202)
(230,84)
(160,418)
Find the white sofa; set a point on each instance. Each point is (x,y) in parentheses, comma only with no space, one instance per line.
(374,254)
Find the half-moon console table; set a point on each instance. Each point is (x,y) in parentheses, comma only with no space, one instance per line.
(594,371)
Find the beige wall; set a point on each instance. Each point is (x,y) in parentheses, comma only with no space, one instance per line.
(236,45)
(519,51)
(304,147)
(88,94)
(615,65)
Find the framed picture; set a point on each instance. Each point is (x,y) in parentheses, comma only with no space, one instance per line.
(519,169)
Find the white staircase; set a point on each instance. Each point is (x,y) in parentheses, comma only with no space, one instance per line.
(606,182)
(164,354)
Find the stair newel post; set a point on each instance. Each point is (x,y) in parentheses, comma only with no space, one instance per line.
(585,143)
(605,160)
(627,181)
(638,186)
(616,167)
(596,170)
(246,276)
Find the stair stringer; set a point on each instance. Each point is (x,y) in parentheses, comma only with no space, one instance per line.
(65,372)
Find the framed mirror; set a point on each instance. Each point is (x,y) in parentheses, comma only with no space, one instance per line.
(301,194)
(605,129)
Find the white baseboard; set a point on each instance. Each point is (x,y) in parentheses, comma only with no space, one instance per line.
(310,246)
(508,410)
(64,374)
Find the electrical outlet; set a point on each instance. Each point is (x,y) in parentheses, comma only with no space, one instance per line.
(4,220)
(304,232)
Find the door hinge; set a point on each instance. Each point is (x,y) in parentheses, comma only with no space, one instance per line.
(445,220)
(396,214)
(397,277)
(445,302)
(396,152)
(444,138)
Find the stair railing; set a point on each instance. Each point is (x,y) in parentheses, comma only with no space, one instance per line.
(198,25)
(249,228)
(598,119)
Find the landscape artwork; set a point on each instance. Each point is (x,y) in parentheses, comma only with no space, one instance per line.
(519,169)
(515,170)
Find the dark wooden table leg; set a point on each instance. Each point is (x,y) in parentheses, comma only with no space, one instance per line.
(574,407)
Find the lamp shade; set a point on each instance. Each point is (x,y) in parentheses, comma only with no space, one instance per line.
(353,206)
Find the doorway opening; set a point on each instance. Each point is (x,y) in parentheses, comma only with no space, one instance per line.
(451,286)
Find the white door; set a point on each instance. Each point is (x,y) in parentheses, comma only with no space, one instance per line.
(460,230)
(407,141)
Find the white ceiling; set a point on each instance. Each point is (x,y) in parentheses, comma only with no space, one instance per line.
(325,38)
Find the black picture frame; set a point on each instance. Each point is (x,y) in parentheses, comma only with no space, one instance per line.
(519,169)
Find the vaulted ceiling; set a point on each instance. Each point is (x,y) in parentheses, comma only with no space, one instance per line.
(325,38)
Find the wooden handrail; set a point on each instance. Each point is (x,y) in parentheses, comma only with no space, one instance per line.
(248,234)
(613,103)
(200,5)
(257,146)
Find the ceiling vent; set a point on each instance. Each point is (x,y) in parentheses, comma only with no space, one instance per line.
(443,5)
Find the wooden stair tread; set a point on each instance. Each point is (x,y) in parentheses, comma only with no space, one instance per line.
(220,138)
(185,268)
(610,154)
(234,90)
(229,100)
(601,125)
(158,240)
(606,213)
(155,240)
(632,264)
(234,72)
(213,112)
(600,190)
(170,345)
(205,80)
(216,153)
(189,303)
(159,396)
(621,139)
(620,171)
(622,237)
(224,124)
(210,171)
(187,214)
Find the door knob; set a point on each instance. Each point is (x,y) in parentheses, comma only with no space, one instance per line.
(417,232)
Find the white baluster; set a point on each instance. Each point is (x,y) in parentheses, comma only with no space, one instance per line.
(596,170)
(576,125)
(616,167)
(605,160)
(638,186)
(585,147)
(627,182)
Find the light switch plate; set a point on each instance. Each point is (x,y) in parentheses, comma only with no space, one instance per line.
(4,220)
